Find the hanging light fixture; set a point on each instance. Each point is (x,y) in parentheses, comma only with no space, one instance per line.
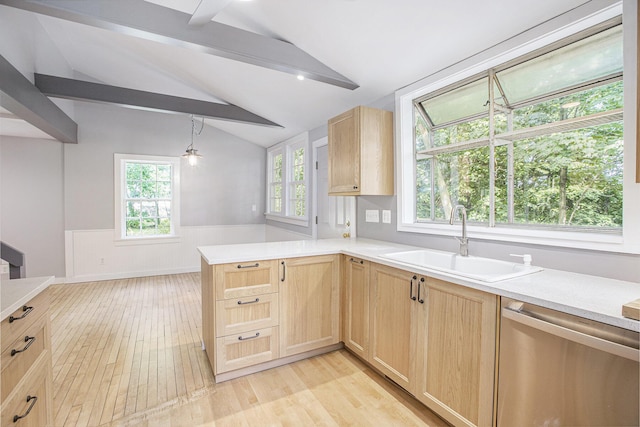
(192,154)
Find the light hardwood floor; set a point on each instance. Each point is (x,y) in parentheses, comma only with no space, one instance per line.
(128,352)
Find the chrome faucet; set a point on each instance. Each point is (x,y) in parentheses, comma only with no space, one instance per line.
(464,241)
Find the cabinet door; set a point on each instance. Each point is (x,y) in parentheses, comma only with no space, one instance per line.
(309,304)
(392,333)
(344,153)
(356,306)
(245,279)
(457,340)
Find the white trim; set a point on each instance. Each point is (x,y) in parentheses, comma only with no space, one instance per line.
(580,18)
(314,160)
(118,189)
(287,219)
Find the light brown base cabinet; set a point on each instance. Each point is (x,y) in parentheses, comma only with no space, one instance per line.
(26,365)
(259,314)
(435,339)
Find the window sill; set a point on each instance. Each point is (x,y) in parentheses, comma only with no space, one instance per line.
(158,240)
(566,239)
(301,222)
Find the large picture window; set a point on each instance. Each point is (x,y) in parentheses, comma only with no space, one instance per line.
(147,196)
(538,142)
(532,138)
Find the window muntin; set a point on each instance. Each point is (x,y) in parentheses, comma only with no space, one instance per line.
(288,181)
(147,196)
(557,159)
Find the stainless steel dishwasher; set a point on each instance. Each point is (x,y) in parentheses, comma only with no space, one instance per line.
(562,370)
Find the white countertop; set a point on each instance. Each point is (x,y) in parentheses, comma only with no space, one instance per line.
(592,297)
(16,293)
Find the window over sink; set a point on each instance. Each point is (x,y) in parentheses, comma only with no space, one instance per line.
(531,141)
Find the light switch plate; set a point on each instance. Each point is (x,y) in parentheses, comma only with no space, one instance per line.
(372,215)
(386,217)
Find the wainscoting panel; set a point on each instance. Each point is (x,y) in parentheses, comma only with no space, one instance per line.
(95,255)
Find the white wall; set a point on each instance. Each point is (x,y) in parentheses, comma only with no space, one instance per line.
(32,202)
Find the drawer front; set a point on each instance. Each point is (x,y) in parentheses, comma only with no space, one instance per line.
(22,353)
(235,316)
(246,279)
(22,319)
(32,401)
(246,349)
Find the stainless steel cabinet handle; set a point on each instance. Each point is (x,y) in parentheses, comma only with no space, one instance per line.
(249,266)
(249,302)
(241,338)
(33,400)
(29,340)
(575,336)
(26,310)
(357,261)
(284,269)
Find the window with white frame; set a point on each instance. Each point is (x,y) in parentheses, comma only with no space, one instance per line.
(288,181)
(147,196)
(532,147)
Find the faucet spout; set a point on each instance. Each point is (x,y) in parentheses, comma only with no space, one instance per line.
(464,241)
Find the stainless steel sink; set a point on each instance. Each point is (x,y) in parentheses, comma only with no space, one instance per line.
(484,269)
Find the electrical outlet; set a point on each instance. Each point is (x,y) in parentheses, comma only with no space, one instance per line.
(101,261)
(372,215)
(386,217)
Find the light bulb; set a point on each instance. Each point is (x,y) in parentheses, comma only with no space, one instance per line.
(193,159)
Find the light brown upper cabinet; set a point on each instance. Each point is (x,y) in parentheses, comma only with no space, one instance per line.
(361,153)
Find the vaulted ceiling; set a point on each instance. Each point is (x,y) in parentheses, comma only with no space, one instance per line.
(377,46)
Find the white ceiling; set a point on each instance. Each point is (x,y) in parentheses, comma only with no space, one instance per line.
(381,45)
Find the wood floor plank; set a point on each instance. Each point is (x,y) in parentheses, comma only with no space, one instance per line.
(129,353)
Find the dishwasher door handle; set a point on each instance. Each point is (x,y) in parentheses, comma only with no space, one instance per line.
(575,336)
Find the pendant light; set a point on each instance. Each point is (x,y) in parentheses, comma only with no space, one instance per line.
(191,153)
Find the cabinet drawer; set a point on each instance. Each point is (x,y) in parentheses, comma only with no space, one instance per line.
(246,349)
(22,319)
(234,316)
(22,353)
(32,401)
(246,279)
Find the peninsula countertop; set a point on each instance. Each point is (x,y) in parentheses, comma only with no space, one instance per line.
(592,297)
(17,292)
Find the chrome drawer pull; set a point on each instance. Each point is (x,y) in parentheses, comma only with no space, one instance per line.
(241,338)
(26,310)
(249,302)
(29,340)
(33,400)
(356,261)
(249,266)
